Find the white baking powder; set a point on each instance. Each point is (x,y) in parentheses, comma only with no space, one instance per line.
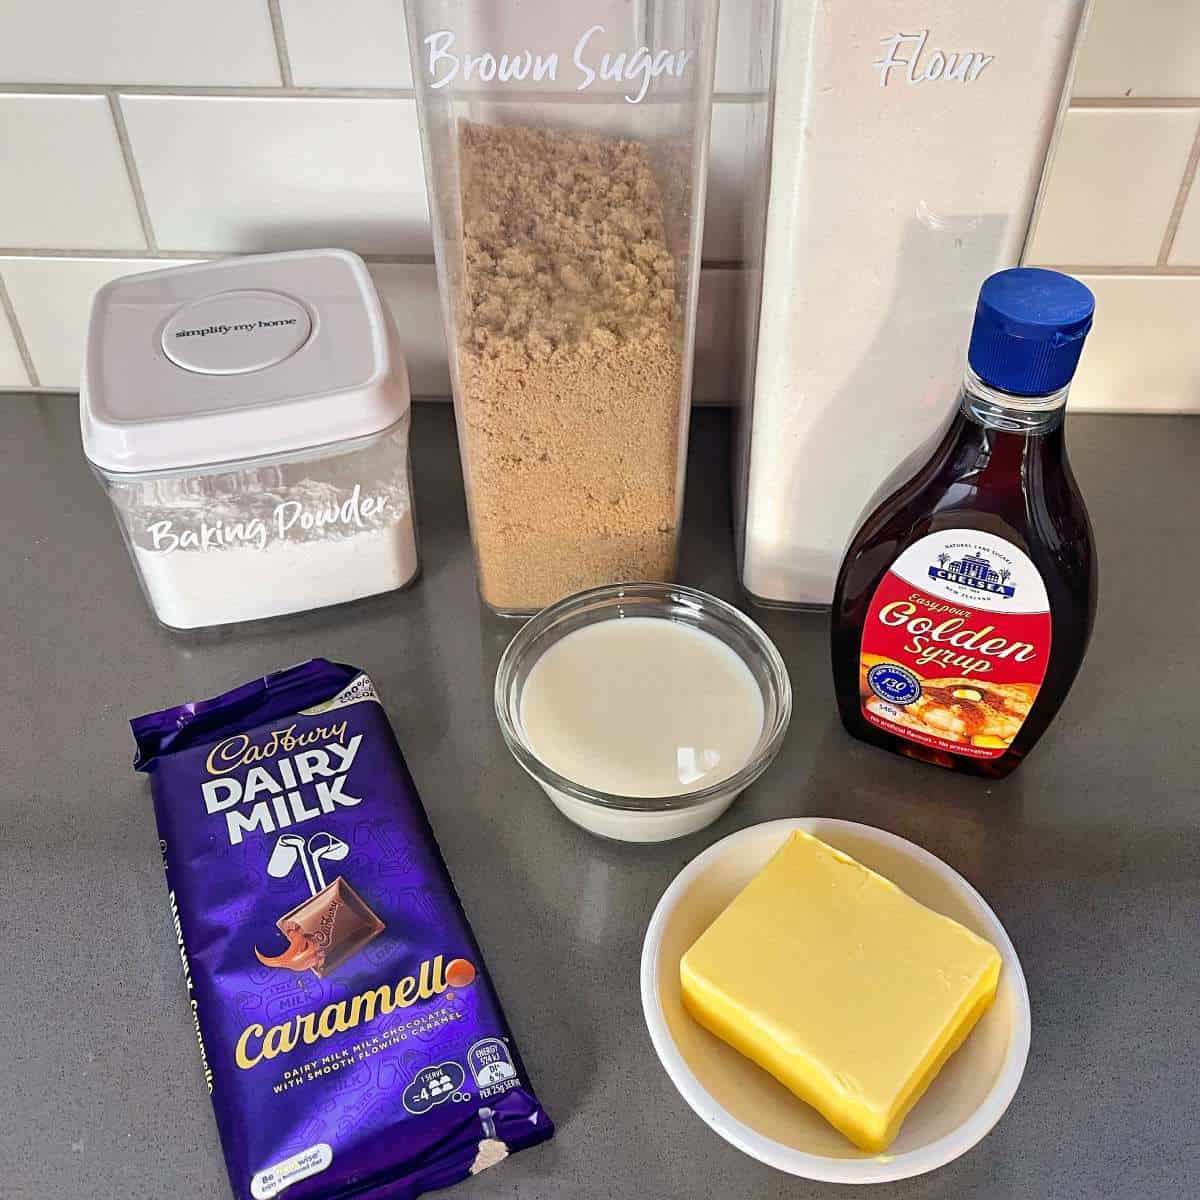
(908,146)
(189,589)
(253,542)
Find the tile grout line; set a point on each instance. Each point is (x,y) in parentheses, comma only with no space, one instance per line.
(8,389)
(1148,271)
(293,90)
(1135,101)
(400,260)
(286,91)
(8,309)
(160,253)
(281,50)
(235,91)
(1181,199)
(1092,409)
(131,171)
(141,254)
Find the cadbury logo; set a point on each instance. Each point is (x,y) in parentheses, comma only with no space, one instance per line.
(239,750)
(287,791)
(323,934)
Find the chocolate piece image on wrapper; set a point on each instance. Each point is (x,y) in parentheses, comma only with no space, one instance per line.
(334,923)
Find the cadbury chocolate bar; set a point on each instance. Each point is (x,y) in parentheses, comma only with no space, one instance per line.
(351,1040)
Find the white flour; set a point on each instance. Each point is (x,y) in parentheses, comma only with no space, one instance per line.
(903,171)
(191,589)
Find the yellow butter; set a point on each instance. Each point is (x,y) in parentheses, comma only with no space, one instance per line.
(843,987)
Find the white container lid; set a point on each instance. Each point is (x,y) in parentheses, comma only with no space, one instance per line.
(224,361)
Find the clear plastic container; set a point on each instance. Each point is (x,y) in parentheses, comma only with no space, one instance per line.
(565,155)
(249,422)
(893,161)
(243,541)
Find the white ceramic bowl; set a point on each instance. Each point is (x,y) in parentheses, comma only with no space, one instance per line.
(744,1104)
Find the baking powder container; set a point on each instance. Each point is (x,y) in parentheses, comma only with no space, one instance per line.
(249,421)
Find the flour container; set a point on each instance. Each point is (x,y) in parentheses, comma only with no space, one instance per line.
(249,421)
(565,154)
(900,161)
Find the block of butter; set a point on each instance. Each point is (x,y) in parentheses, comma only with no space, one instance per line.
(847,990)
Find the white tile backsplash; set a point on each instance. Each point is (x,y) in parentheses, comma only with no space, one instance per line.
(216,42)
(1113,186)
(727,167)
(1143,354)
(1185,250)
(331,43)
(743,46)
(64,181)
(248,174)
(52,298)
(12,369)
(258,167)
(329,46)
(363,43)
(411,292)
(1141,50)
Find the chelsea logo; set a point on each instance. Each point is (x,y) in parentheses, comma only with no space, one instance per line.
(973,571)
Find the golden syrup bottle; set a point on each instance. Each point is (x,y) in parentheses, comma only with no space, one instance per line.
(966,600)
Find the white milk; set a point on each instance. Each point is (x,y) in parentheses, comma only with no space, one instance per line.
(641,707)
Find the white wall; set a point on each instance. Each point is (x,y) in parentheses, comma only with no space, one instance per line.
(135,133)
(1121,210)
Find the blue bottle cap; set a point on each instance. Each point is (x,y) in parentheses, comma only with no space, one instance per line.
(1029,330)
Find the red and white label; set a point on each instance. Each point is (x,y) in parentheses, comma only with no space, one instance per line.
(956,643)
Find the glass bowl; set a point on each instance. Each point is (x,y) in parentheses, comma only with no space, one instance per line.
(644,818)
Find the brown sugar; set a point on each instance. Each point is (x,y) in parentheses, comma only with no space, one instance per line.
(570,364)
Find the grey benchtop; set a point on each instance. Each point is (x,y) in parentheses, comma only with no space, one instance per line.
(1090,853)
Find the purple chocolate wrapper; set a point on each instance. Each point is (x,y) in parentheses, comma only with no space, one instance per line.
(349,1034)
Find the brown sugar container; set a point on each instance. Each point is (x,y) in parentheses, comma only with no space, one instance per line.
(565,159)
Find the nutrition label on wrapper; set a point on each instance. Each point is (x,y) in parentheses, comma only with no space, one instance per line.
(492,1066)
(433,1086)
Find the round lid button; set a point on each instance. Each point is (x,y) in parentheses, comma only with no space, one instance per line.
(234,332)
